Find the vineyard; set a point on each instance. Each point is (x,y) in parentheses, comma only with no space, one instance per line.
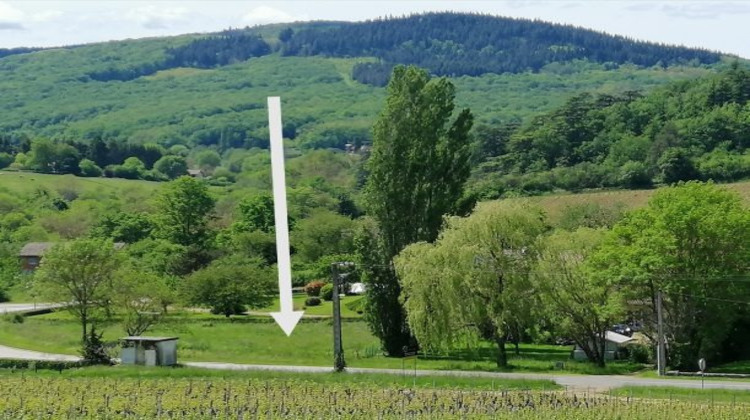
(68,398)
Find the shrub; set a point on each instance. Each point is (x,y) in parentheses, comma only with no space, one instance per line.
(313,288)
(312,301)
(639,353)
(89,169)
(326,292)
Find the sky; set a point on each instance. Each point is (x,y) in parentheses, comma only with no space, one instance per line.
(720,25)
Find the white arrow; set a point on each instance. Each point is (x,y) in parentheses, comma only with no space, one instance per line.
(287,318)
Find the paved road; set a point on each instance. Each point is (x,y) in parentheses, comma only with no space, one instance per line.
(7,308)
(572,382)
(14,353)
(575,382)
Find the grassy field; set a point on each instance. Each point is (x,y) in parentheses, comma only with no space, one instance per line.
(324,309)
(25,182)
(257,340)
(555,204)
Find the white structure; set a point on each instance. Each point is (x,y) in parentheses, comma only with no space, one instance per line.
(149,351)
(357,288)
(613,343)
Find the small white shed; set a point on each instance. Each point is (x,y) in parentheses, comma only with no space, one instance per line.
(357,289)
(149,351)
(613,343)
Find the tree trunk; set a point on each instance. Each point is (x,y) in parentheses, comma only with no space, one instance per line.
(502,355)
(84,323)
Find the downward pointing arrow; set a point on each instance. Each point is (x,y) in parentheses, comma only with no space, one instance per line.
(287,318)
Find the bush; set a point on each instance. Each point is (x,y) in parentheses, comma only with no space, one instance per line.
(639,353)
(5,160)
(326,292)
(312,301)
(89,169)
(313,288)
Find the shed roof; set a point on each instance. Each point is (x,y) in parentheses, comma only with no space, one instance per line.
(617,338)
(37,249)
(148,339)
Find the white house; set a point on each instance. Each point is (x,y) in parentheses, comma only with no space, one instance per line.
(613,343)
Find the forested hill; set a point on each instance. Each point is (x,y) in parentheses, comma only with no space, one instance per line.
(181,97)
(472,44)
(696,129)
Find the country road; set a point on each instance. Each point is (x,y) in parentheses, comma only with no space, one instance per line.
(8,308)
(571,382)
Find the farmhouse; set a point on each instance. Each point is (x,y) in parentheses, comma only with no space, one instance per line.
(31,254)
(613,345)
(196,173)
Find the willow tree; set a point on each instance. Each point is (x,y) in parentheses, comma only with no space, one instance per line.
(474,282)
(581,304)
(417,170)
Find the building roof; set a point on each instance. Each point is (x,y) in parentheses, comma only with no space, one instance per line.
(617,338)
(143,339)
(195,172)
(37,249)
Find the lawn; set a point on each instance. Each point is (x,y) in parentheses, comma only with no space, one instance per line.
(324,309)
(257,340)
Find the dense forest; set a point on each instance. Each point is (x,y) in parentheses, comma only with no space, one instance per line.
(473,44)
(689,130)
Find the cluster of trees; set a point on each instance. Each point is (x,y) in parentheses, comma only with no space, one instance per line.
(225,48)
(505,273)
(473,44)
(416,173)
(689,130)
(95,159)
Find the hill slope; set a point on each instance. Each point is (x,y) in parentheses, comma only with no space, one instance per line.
(210,89)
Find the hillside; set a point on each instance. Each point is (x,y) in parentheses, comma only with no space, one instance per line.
(210,89)
(688,130)
(199,100)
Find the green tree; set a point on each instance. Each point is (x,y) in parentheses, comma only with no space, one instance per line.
(229,286)
(417,170)
(42,156)
(256,213)
(123,227)
(80,272)
(207,159)
(89,169)
(5,160)
(323,233)
(581,305)
(171,166)
(141,298)
(692,242)
(184,208)
(474,281)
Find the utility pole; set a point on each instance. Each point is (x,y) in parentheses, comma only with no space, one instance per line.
(338,350)
(661,359)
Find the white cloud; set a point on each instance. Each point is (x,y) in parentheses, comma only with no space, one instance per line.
(10,17)
(152,17)
(46,16)
(265,14)
(705,10)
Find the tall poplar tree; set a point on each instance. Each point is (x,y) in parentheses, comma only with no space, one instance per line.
(417,170)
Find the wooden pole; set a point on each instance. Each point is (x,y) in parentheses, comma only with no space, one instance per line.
(338,350)
(661,359)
